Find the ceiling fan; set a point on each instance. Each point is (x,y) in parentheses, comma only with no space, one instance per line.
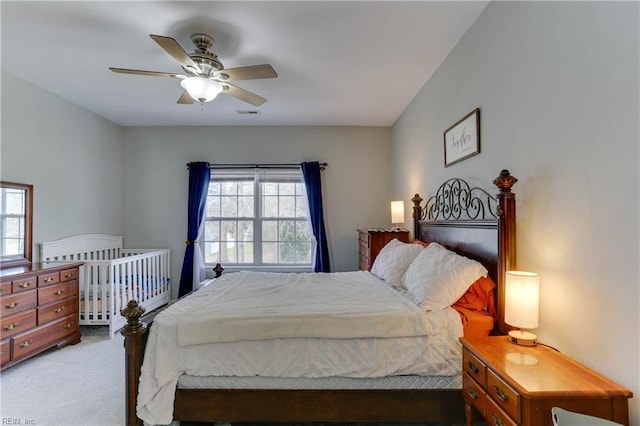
(205,77)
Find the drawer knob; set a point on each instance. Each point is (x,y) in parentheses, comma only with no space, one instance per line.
(496,420)
(26,344)
(24,285)
(58,292)
(11,305)
(501,395)
(473,394)
(11,326)
(69,324)
(473,367)
(48,280)
(58,310)
(69,275)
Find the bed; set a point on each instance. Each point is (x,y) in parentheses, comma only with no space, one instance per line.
(111,276)
(463,219)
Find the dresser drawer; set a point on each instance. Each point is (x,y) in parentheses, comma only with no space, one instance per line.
(48,279)
(474,367)
(504,395)
(496,417)
(18,302)
(57,310)
(58,292)
(26,343)
(474,394)
(14,324)
(69,274)
(23,285)
(5,351)
(363,240)
(5,288)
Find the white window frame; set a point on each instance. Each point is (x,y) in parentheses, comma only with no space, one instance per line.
(257,264)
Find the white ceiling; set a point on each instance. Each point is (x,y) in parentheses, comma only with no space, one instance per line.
(339,63)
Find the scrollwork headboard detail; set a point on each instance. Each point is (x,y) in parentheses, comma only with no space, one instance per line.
(473,223)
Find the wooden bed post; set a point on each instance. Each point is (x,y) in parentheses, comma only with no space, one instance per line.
(506,237)
(135,339)
(417,210)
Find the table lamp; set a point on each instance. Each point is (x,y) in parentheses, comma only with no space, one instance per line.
(397,214)
(521,305)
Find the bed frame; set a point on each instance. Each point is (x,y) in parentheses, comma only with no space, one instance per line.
(465,219)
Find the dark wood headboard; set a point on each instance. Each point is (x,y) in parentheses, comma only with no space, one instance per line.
(475,224)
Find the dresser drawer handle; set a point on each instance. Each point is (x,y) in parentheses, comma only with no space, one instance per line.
(69,324)
(69,275)
(11,305)
(11,326)
(473,367)
(26,344)
(58,292)
(496,420)
(25,285)
(473,394)
(58,310)
(501,395)
(48,280)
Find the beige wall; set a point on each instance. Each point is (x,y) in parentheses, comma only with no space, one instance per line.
(355,184)
(72,157)
(557,84)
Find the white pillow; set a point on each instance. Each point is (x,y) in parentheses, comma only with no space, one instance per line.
(438,277)
(393,260)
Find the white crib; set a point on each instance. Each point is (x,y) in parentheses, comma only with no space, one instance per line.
(111,276)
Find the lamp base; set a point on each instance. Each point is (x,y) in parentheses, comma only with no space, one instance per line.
(523,338)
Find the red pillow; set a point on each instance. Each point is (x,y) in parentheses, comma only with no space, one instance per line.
(480,297)
(422,243)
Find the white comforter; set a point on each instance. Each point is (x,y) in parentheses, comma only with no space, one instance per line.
(431,349)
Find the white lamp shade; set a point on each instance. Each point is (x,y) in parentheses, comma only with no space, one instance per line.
(201,89)
(521,299)
(397,212)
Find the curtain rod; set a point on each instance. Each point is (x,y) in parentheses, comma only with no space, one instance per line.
(257,166)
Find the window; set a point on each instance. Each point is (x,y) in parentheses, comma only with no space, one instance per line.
(13,213)
(257,218)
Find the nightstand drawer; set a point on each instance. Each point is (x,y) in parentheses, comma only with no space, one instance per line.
(504,395)
(474,367)
(473,394)
(496,417)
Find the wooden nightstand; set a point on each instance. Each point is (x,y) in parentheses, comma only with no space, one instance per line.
(371,241)
(516,385)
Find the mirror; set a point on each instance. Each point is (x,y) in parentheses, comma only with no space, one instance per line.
(16,213)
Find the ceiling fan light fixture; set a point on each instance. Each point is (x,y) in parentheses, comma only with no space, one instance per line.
(201,89)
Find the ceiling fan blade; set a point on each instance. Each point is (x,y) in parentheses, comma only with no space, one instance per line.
(185,98)
(174,49)
(149,73)
(243,95)
(250,73)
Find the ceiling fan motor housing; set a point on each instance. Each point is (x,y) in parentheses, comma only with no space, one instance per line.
(207,61)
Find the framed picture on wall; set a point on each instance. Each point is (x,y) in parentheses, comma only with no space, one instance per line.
(462,140)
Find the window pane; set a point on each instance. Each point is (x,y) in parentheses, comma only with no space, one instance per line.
(287,207)
(287,253)
(303,252)
(228,252)
(15,202)
(245,229)
(303,231)
(214,188)
(245,188)
(229,188)
(269,253)
(270,230)
(287,188)
(13,227)
(287,230)
(213,207)
(270,206)
(211,252)
(301,207)
(212,230)
(245,252)
(269,188)
(229,206)
(228,232)
(245,207)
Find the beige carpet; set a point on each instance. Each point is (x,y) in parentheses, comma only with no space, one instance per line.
(80,385)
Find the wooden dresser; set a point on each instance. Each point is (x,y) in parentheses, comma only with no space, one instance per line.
(38,309)
(371,241)
(518,385)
